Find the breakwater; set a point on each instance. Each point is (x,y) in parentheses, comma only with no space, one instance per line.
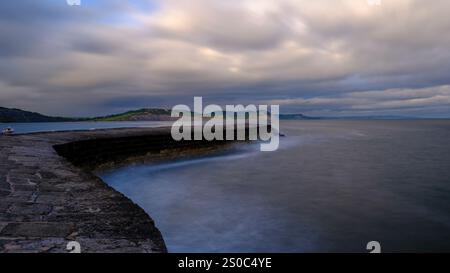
(49,195)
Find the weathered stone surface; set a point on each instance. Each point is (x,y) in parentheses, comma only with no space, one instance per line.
(45,201)
(49,195)
(37,229)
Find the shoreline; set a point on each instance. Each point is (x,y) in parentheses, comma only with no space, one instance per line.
(49,194)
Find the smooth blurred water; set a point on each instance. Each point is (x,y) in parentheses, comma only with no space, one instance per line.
(333,186)
(21,128)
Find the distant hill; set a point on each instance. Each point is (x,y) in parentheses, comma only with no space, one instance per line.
(155,114)
(17,115)
(146,114)
(387,117)
(8,115)
(295,117)
(139,115)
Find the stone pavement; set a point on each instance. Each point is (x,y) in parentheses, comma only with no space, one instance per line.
(45,201)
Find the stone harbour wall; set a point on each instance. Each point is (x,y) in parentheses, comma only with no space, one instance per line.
(49,196)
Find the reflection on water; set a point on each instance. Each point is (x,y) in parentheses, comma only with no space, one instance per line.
(332,186)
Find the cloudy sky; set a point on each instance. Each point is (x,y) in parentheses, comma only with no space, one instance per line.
(319,57)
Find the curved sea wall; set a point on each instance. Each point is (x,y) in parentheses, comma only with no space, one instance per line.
(126,146)
(49,196)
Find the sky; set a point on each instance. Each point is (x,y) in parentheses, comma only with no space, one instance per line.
(317,57)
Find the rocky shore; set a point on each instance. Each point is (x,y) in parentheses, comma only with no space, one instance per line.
(49,196)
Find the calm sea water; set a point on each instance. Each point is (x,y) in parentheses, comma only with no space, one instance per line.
(333,186)
(21,128)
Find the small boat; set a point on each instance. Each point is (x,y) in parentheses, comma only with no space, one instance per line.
(8,131)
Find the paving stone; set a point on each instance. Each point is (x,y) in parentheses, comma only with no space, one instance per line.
(5,186)
(44,199)
(38,229)
(4,193)
(2,225)
(30,209)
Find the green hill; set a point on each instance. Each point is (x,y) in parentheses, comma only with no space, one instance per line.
(17,115)
(8,115)
(139,115)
